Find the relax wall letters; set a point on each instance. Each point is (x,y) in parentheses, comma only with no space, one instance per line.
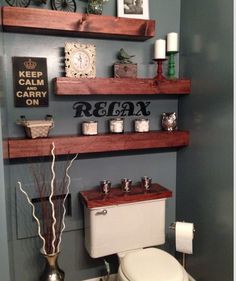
(113,109)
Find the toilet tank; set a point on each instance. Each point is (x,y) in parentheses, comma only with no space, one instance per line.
(120,222)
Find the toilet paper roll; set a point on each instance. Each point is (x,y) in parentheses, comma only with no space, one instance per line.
(184,237)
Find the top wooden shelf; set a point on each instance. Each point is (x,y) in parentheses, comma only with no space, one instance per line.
(43,21)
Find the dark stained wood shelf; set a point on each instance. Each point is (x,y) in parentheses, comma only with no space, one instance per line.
(119,86)
(21,148)
(95,198)
(43,21)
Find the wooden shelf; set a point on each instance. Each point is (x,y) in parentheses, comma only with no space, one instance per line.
(94,198)
(119,86)
(20,148)
(43,21)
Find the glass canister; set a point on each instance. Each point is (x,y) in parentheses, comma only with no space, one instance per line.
(141,125)
(105,186)
(146,182)
(126,184)
(90,128)
(116,125)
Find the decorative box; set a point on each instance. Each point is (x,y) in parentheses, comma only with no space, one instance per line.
(125,70)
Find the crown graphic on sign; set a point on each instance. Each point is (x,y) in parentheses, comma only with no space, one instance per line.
(29,64)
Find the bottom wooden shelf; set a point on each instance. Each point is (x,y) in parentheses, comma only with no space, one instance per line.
(20,148)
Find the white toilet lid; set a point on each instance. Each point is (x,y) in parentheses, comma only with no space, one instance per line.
(151,264)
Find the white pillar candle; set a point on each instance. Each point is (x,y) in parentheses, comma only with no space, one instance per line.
(160,49)
(141,125)
(117,125)
(172,42)
(90,128)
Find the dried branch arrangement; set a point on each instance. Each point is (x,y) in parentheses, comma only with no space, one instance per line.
(51,222)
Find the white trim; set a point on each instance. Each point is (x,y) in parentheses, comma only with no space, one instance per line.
(112,278)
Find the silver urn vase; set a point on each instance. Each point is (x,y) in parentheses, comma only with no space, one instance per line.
(52,272)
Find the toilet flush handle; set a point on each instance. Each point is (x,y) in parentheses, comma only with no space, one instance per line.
(102,212)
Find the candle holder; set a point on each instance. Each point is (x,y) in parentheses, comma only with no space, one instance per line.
(159,76)
(171,64)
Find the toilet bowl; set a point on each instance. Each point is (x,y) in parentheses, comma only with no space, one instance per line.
(150,264)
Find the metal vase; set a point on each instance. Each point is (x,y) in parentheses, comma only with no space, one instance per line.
(52,272)
(169,121)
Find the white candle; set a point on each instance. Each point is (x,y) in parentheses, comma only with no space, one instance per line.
(141,125)
(160,49)
(172,42)
(90,128)
(116,125)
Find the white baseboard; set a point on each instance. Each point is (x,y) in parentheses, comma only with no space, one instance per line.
(112,278)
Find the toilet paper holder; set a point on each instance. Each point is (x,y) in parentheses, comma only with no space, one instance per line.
(172,226)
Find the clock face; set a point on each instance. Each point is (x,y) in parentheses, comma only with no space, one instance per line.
(80,60)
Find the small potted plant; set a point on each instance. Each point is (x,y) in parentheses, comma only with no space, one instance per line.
(95,6)
(124,67)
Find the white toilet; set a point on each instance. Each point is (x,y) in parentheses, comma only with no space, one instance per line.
(131,231)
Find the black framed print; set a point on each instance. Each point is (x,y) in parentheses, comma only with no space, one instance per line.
(138,9)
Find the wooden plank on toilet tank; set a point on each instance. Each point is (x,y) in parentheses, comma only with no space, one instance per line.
(95,198)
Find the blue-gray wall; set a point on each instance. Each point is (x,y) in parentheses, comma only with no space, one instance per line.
(159,164)
(5,235)
(205,169)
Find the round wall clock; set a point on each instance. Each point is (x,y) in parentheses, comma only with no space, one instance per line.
(80,60)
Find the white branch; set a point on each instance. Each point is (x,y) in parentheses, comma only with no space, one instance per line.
(54,221)
(50,199)
(34,216)
(63,204)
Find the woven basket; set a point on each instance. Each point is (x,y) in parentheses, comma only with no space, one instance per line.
(37,128)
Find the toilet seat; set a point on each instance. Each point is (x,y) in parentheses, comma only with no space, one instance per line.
(151,264)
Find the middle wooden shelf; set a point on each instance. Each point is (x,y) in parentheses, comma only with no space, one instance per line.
(119,86)
(23,148)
